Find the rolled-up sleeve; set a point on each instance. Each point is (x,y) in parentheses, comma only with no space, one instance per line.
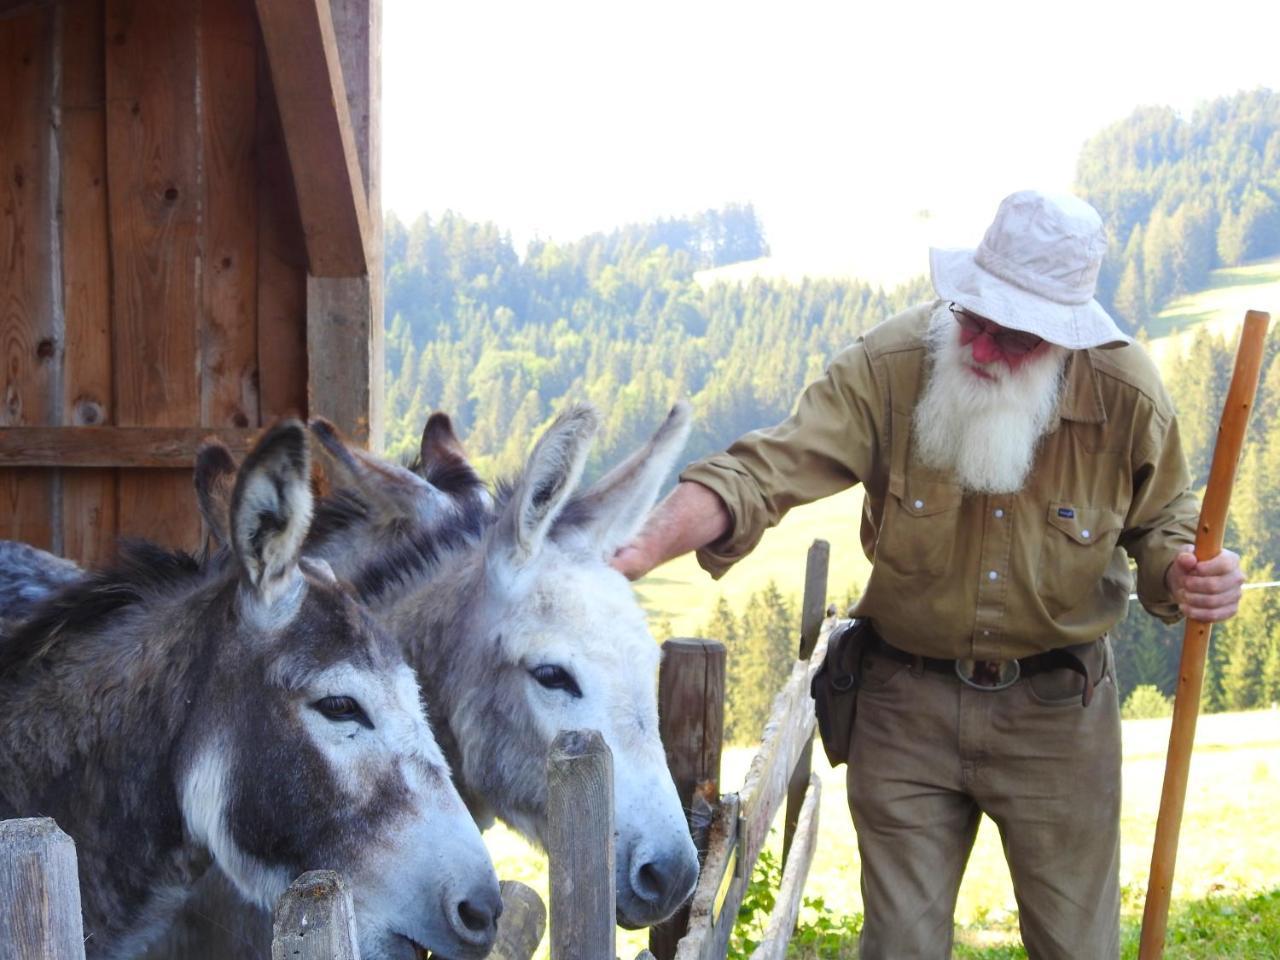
(1162,514)
(828,444)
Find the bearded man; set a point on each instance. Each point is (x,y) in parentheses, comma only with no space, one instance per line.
(1016,449)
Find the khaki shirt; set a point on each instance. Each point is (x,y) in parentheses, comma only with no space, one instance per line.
(970,575)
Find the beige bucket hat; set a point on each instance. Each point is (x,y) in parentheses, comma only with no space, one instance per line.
(1036,270)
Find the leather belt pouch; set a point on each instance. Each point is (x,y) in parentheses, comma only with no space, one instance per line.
(835,688)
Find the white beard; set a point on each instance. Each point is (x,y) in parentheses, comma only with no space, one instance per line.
(983,432)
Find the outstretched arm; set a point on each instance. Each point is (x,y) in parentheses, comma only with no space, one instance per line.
(691,516)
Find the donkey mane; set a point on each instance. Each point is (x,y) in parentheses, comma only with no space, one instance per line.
(142,569)
(454,477)
(337,512)
(417,551)
(420,550)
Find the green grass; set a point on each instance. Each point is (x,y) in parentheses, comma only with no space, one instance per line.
(1222,305)
(683,593)
(1228,866)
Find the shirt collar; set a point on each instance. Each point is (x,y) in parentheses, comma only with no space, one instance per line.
(1081,398)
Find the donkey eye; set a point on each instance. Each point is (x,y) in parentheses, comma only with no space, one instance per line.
(556,678)
(341,709)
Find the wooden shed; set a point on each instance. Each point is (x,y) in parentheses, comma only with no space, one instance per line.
(190,245)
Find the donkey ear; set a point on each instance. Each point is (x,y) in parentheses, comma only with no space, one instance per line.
(612,510)
(443,462)
(392,491)
(544,488)
(271,508)
(439,442)
(215,476)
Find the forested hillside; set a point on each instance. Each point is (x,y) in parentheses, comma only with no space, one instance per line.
(1181,196)
(502,340)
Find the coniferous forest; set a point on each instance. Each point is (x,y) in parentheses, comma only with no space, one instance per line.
(502,339)
(1183,196)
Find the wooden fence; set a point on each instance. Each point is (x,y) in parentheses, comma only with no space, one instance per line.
(314,920)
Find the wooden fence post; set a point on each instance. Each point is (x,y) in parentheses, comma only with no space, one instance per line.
(811,614)
(39,892)
(315,920)
(580,846)
(691,721)
(523,920)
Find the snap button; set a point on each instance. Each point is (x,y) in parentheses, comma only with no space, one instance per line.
(1085,534)
(999,513)
(919,504)
(992,575)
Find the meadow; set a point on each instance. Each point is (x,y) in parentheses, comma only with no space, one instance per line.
(1220,306)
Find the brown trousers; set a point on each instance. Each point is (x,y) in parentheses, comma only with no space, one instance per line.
(930,755)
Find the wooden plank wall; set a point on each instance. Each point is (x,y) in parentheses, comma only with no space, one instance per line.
(88,495)
(28,335)
(152,269)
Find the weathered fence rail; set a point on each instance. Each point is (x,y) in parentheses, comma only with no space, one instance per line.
(787,910)
(314,920)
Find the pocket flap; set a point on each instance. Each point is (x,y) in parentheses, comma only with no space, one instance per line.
(1084,525)
(924,498)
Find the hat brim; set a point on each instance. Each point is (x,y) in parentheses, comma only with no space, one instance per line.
(957,277)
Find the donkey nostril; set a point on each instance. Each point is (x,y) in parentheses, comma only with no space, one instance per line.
(649,882)
(477,918)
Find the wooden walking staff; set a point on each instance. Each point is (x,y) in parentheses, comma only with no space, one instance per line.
(1195,643)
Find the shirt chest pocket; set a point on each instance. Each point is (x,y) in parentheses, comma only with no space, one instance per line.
(918,536)
(1077,548)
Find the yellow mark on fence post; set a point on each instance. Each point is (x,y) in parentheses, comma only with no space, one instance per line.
(730,871)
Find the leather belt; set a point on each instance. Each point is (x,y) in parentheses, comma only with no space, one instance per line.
(993,675)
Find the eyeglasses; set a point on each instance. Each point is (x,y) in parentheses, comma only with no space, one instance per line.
(1013,343)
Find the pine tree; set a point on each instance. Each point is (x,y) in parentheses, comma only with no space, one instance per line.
(723,627)
(1130,299)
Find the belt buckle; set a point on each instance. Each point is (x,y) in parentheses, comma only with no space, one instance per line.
(988,675)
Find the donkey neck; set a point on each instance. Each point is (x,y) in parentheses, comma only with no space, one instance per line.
(90,732)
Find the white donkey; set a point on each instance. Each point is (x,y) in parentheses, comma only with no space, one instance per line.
(245,712)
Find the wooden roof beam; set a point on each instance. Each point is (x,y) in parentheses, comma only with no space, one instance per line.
(302,52)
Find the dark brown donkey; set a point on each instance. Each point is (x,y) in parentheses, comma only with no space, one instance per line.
(244,712)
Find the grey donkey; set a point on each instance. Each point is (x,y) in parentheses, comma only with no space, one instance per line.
(244,712)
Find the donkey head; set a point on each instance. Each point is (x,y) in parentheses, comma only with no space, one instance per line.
(562,643)
(308,747)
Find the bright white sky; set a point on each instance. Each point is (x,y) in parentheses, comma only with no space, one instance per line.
(839,121)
